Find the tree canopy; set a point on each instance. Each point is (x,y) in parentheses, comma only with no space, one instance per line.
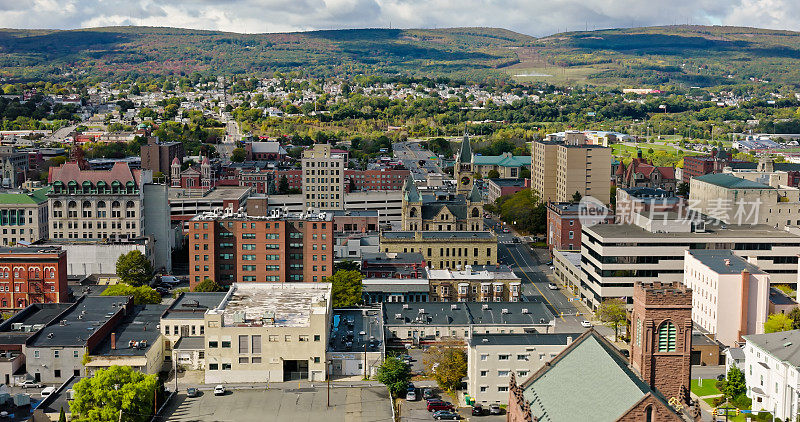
(447,365)
(101,397)
(134,268)
(612,311)
(346,288)
(142,295)
(208,285)
(777,322)
(524,210)
(395,375)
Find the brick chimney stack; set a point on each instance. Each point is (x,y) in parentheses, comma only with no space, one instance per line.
(113,341)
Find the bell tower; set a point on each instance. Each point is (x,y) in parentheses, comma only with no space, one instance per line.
(661,340)
(462,169)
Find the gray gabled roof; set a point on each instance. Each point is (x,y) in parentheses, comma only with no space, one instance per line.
(784,345)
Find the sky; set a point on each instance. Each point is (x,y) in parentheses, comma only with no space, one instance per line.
(532,17)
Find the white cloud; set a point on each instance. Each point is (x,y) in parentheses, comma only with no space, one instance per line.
(534,17)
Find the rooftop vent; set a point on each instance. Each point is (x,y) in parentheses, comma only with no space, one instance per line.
(485,307)
(421,310)
(505,311)
(398,316)
(454,307)
(406,306)
(525,311)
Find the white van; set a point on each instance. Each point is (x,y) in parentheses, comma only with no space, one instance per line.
(48,391)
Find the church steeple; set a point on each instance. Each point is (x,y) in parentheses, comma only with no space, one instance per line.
(462,169)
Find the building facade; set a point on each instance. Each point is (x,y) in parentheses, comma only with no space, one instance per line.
(96,204)
(564,224)
(158,156)
(441,211)
(323,178)
(23,216)
(452,250)
(560,169)
(232,247)
(772,372)
(474,284)
(32,275)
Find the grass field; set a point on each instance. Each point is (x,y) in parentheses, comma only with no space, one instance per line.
(706,389)
(553,74)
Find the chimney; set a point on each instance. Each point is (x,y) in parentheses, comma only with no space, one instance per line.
(113,341)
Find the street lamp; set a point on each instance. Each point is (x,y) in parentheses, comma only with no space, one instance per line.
(328,380)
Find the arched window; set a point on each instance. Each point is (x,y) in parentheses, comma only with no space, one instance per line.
(129,204)
(666,337)
(87,204)
(638,332)
(413,212)
(72,204)
(115,204)
(648,413)
(101,204)
(475,212)
(56,204)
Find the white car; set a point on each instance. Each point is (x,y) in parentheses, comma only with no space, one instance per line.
(48,391)
(31,384)
(586,324)
(219,390)
(552,286)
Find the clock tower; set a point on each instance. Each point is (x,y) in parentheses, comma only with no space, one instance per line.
(462,169)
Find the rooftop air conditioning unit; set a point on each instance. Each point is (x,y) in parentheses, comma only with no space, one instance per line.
(421,310)
(454,307)
(406,306)
(505,311)
(398,316)
(485,307)
(525,311)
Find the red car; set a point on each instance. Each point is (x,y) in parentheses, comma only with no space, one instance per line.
(439,405)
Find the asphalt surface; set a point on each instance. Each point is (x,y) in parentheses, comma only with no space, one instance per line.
(411,153)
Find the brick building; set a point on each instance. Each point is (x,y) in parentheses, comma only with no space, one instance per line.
(393,265)
(234,247)
(355,221)
(32,275)
(661,340)
(377,179)
(564,225)
(158,156)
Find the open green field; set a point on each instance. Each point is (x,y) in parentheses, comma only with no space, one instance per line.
(553,74)
(707,388)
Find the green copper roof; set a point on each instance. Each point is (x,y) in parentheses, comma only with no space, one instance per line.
(410,192)
(728,181)
(503,160)
(587,382)
(475,195)
(36,197)
(465,153)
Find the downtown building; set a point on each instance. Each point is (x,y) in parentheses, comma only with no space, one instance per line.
(559,169)
(229,247)
(32,275)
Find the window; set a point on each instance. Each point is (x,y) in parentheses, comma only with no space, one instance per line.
(303,338)
(638,332)
(256,344)
(255,360)
(502,373)
(273,338)
(213,366)
(484,373)
(243,345)
(484,357)
(213,344)
(316,359)
(502,388)
(75,354)
(244,360)
(226,342)
(36,355)
(56,354)
(503,357)
(522,357)
(57,373)
(666,337)
(484,388)
(226,366)
(316,337)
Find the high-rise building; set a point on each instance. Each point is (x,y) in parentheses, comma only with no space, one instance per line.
(158,156)
(323,178)
(230,247)
(661,340)
(560,169)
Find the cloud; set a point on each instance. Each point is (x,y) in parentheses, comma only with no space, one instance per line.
(534,17)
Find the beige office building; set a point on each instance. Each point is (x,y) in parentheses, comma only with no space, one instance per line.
(559,169)
(268,332)
(452,250)
(323,178)
(23,216)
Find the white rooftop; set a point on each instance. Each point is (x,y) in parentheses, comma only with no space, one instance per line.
(469,274)
(274,304)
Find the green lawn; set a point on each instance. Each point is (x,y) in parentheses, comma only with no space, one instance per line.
(706,389)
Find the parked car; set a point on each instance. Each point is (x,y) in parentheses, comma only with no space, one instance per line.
(625,352)
(552,286)
(31,384)
(411,395)
(446,415)
(586,324)
(219,390)
(169,280)
(428,393)
(191,392)
(495,410)
(477,410)
(48,391)
(439,405)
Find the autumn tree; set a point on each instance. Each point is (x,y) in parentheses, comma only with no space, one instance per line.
(777,322)
(101,397)
(614,312)
(447,364)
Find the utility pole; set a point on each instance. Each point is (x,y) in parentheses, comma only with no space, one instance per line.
(328,379)
(365,360)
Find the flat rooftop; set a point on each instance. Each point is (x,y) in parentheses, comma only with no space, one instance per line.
(75,327)
(218,193)
(508,182)
(439,235)
(193,305)
(140,326)
(464,313)
(633,232)
(526,339)
(486,273)
(274,304)
(355,213)
(35,314)
(228,214)
(352,329)
(723,261)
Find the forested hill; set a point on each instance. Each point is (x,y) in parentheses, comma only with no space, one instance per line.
(471,53)
(652,56)
(687,55)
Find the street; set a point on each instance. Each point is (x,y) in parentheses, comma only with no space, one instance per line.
(411,153)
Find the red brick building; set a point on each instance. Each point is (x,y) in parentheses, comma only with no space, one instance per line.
(378,179)
(355,221)
(239,248)
(32,275)
(564,225)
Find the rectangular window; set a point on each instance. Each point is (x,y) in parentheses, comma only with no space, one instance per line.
(256,359)
(226,366)
(243,344)
(316,337)
(56,354)
(273,338)
(226,342)
(503,357)
(243,360)
(303,338)
(256,344)
(212,344)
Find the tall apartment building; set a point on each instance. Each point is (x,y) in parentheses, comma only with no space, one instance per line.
(234,247)
(158,156)
(32,275)
(561,168)
(96,204)
(323,178)
(23,216)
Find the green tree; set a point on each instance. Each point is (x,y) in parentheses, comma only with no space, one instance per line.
(493,174)
(734,384)
(100,398)
(346,265)
(525,173)
(62,417)
(345,288)
(777,322)
(283,185)
(238,155)
(447,365)
(612,311)
(142,295)
(134,268)
(395,375)
(576,197)
(208,285)
(794,315)
(683,189)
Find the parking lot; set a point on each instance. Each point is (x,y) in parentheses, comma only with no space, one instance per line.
(416,411)
(368,404)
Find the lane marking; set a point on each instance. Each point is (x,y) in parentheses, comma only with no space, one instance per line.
(534,284)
